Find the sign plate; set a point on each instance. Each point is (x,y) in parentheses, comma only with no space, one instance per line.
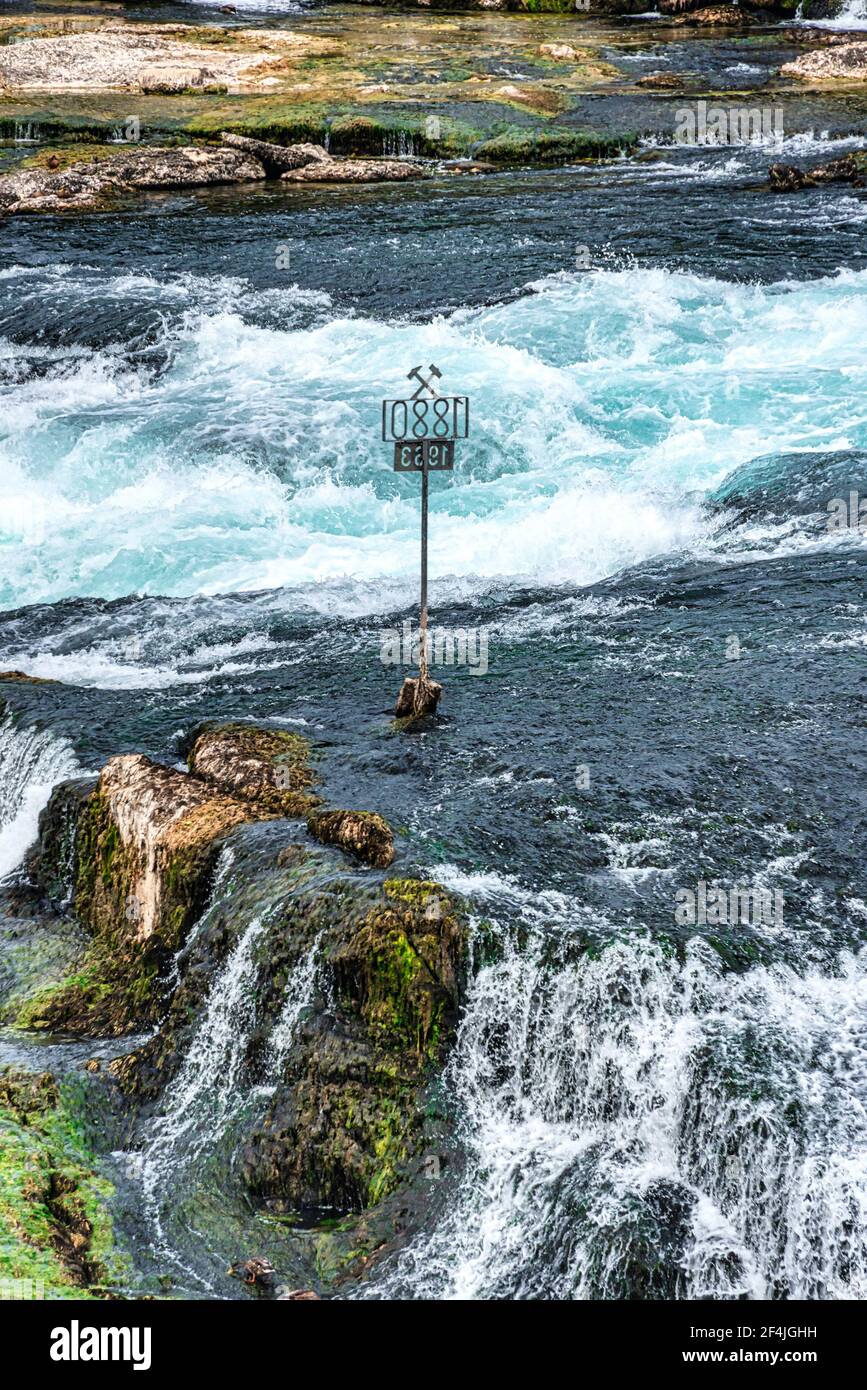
(440,418)
(412,456)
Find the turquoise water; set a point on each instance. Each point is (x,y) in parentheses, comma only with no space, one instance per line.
(606,405)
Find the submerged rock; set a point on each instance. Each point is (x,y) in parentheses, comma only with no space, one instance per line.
(788,178)
(362,833)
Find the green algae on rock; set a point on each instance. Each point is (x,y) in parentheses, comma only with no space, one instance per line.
(55,1226)
(349,1118)
(144,844)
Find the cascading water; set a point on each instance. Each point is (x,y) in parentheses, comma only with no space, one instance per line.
(32,762)
(202,1111)
(641,1126)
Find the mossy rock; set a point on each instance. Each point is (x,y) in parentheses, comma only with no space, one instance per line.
(269,768)
(55,1225)
(363,834)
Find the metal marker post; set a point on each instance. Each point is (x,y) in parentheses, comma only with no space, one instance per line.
(423,429)
(422,655)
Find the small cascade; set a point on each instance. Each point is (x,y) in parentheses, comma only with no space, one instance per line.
(192,1140)
(399,144)
(638,1126)
(303,983)
(32,762)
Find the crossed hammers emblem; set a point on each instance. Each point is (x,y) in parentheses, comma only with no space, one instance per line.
(425,383)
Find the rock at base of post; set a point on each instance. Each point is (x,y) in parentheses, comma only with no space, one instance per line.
(418,696)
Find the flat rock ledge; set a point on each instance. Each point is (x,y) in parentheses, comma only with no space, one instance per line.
(158,58)
(88,185)
(846,62)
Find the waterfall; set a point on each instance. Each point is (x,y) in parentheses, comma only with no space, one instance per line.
(32,762)
(213,1091)
(303,983)
(640,1126)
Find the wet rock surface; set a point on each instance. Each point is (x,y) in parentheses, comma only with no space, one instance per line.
(350,1117)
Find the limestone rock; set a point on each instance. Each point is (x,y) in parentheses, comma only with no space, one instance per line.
(276,159)
(362,833)
(87,185)
(844,61)
(355,171)
(142,845)
(165,57)
(266,768)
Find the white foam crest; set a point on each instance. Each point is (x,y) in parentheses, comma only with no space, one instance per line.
(627,1112)
(32,762)
(604,406)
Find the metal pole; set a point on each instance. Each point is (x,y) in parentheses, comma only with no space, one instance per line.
(422,661)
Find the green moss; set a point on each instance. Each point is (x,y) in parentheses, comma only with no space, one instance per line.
(554,146)
(55,1225)
(61,156)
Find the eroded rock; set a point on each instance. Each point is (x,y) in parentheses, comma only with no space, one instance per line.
(355,171)
(266,768)
(361,833)
(142,845)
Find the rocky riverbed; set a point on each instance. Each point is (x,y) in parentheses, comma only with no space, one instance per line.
(300,1001)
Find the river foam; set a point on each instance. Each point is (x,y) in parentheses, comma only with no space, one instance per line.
(606,406)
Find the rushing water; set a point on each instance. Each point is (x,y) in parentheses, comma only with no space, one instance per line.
(198,520)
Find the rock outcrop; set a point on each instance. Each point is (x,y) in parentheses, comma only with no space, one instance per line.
(352,1122)
(85,185)
(363,834)
(349,1117)
(837,62)
(138,849)
(157,58)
